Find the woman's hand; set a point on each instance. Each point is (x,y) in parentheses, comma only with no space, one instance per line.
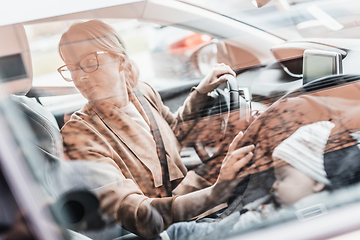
(232,164)
(211,80)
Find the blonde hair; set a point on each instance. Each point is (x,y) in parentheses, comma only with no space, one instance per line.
(106,38)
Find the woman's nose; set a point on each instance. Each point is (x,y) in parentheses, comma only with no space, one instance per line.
(79,74)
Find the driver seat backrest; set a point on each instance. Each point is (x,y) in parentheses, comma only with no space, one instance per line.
(16,81)
(43,124)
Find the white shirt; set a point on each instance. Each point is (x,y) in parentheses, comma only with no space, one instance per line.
(132,112)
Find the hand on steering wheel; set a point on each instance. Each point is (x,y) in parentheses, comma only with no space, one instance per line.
(214,78)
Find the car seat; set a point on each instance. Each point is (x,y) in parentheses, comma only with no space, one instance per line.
(320,99)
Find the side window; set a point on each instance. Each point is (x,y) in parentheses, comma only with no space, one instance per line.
(170,49)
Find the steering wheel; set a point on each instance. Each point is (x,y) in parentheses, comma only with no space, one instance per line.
(223,100)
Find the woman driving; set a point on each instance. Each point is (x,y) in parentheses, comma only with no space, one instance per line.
(126,124)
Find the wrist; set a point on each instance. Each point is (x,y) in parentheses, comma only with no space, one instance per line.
(224,190)
(219,192)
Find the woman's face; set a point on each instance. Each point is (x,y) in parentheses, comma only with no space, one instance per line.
(291,185)
(106,82)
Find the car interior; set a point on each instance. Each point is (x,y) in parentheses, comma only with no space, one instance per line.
(300,67)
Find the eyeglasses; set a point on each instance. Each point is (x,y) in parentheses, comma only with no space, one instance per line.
(89,63)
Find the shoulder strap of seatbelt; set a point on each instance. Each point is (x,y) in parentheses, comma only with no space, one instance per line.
(160,148)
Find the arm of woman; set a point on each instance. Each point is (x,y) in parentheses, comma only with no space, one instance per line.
(195,203)
(126,202)
(150,216)
(186,116)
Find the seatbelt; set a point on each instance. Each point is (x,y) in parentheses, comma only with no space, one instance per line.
(160,148)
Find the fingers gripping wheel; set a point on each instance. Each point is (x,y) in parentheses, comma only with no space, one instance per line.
(233,90)
(225,98)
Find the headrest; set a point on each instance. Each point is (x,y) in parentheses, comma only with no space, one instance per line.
(15,61)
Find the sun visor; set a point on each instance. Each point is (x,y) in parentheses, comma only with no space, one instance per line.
(15,61)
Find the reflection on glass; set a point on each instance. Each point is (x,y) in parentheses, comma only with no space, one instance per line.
(207,58)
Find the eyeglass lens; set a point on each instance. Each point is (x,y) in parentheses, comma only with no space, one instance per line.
(88,64)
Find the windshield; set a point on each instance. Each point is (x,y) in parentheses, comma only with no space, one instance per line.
(292,19)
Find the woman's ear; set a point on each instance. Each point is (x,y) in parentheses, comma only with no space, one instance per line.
(121,66)
(318,187)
